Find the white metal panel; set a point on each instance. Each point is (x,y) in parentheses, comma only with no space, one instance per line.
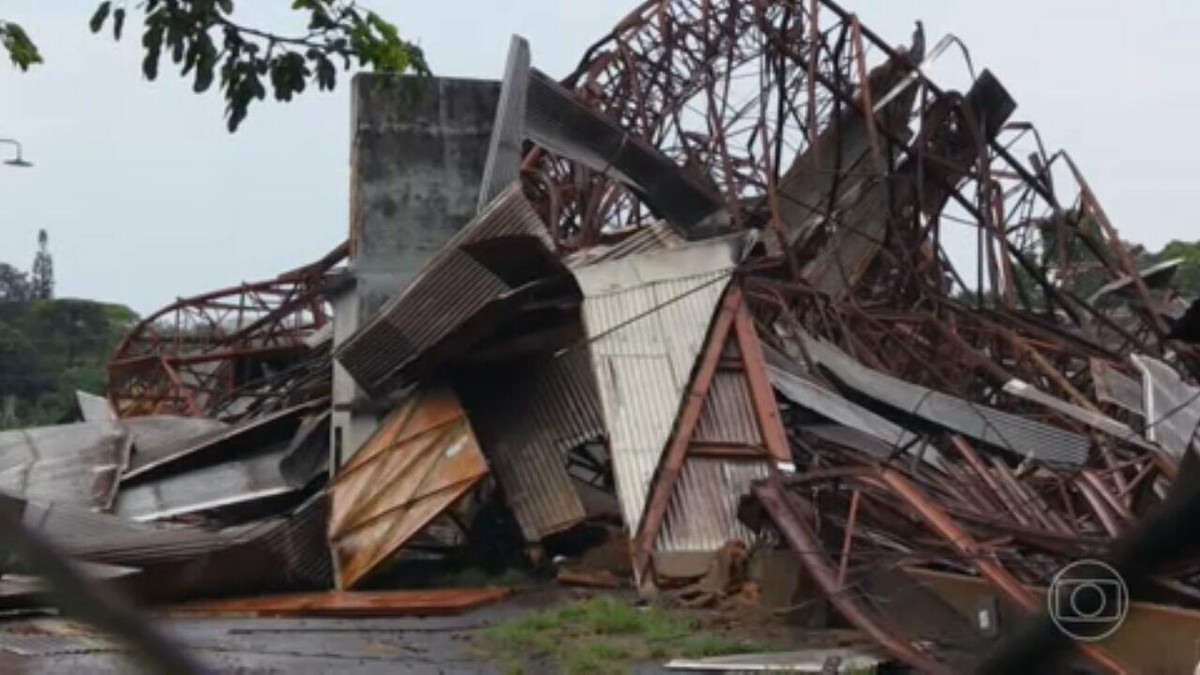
(702,513)
(648,317)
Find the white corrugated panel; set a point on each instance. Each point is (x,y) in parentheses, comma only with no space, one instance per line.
(702,514)
(648,316)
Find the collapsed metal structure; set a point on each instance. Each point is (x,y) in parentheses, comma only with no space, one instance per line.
(196,354)
(747,274)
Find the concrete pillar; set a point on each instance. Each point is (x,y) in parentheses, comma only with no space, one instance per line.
(418,150)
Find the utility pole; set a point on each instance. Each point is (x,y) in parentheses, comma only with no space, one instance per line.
(19,160)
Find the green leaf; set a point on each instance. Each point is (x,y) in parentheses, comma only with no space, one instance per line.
(99,17)
(226,6)
(21,50)
(150,63)
(118,22)
(204,78)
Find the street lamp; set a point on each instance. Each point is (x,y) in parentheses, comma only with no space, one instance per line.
(18,160)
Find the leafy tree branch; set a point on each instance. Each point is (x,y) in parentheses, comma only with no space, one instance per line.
(208,44)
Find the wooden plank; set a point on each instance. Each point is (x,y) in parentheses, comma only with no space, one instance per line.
(351,604)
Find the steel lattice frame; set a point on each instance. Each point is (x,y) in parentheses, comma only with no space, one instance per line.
(743,91)
(184,359)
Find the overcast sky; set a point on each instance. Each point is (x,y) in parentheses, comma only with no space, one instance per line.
(147,197)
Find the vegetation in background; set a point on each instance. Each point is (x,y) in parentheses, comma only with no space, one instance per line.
(50,348)
(1187,279)
(603,635)
(208,43)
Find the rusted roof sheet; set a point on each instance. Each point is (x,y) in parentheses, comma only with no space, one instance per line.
(356,604)
(507,247)
(647,317)
(528,415)
(420,461)
(76,464)
(702,515)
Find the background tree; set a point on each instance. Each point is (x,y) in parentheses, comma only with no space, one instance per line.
(1187,279)
(41,286)
(207,42)
(14,284)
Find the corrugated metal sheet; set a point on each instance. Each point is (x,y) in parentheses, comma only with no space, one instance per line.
(180,562)
(93,408)
(70,463)
(649,238)
(528,416)
(155,437)
(702,514)
(215,445)
(832,405)
(103,538)
(848,437)
(420,461)
(1093,419)
(241,480)
(1172,405)
(506,247)
(503,165)
(647,317)
(994,427)
(1113,386)
(861,227)
(1155,276)
(282,554)
(728,413)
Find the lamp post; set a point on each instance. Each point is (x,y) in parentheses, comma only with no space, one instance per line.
(18,160)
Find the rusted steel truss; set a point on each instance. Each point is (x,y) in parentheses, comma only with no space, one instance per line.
(188,357)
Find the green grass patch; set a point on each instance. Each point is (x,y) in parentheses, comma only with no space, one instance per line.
(604,635)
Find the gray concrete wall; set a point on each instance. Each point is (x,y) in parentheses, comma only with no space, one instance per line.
(418,150)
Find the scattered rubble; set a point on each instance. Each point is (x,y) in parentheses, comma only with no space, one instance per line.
(705,298)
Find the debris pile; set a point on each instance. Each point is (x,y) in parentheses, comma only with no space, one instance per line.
(746,279)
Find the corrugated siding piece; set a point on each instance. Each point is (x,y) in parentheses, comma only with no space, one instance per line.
(239,480)
(994,427)
(648,316)
(702,515)
(1117,388)
(728,414)
(1095,420)
(1172,405)
(528,416)
(649,238)
(94,408)
(76,464)
(454,287)
(830,404)
(420,461)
